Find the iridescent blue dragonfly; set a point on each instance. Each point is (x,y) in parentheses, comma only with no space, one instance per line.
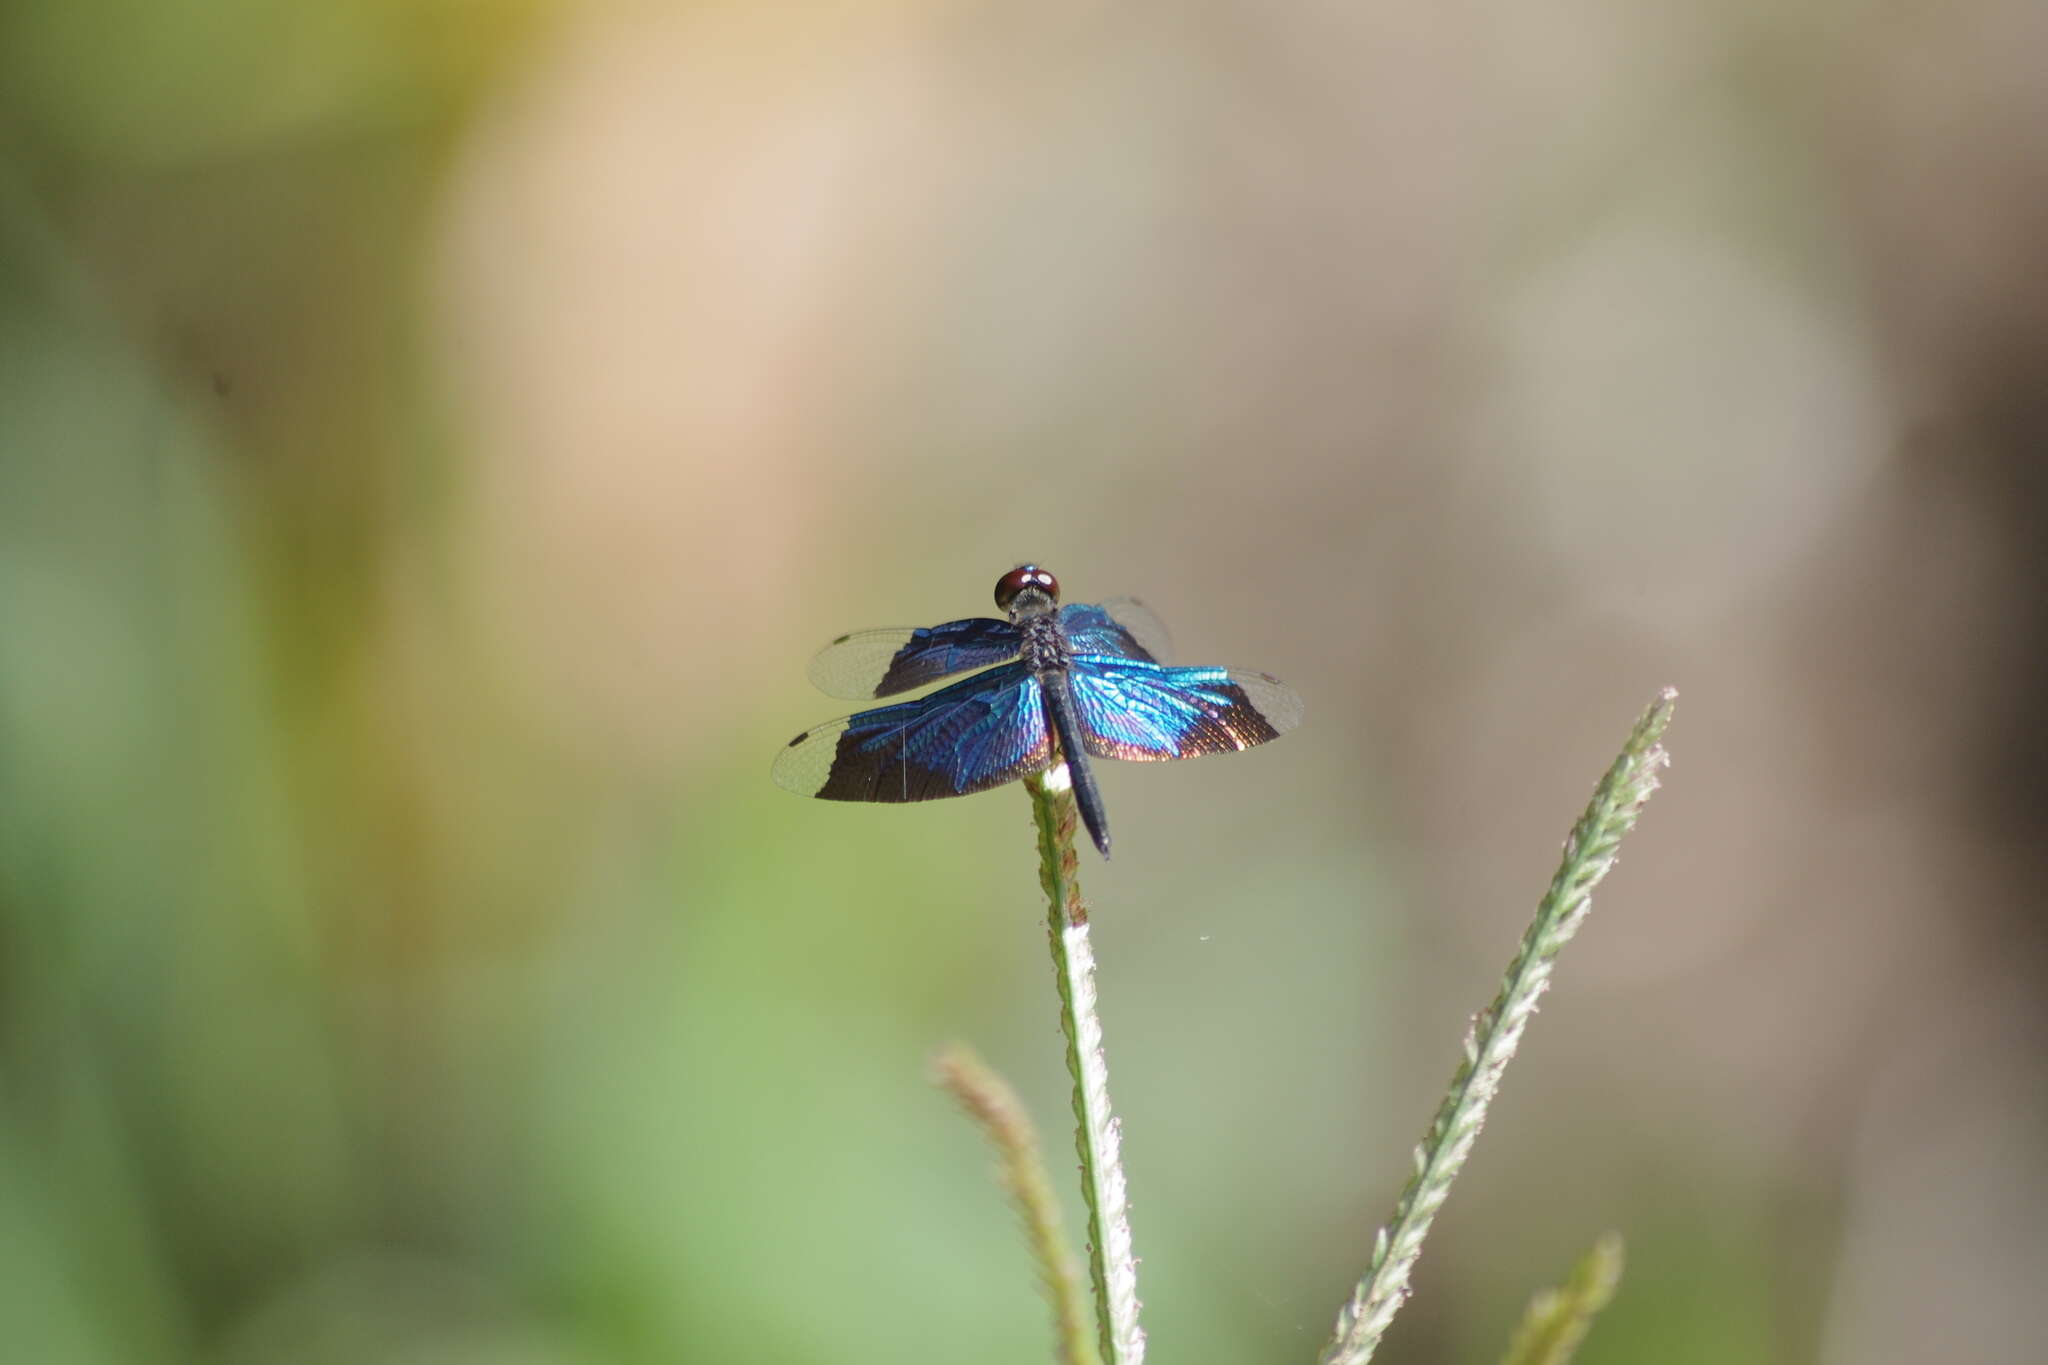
(1074,683)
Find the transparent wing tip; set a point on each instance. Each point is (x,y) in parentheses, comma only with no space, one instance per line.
(1280,704)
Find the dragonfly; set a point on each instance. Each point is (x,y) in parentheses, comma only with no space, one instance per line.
(1057,685)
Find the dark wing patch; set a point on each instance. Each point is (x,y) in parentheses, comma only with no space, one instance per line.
(882,663)
(1133,710)
(978,733)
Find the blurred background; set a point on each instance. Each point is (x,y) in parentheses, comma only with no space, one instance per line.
(434,435)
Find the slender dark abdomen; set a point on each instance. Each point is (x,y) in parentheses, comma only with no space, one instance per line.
(1059,701)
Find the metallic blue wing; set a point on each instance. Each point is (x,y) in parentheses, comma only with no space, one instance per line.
(1122,628)
(1131,709)
(1139,622)
(882,663)
(979,733)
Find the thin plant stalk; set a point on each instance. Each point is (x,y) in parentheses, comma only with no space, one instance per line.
(1112,1267)
(1491,1041)
(1558,1319)
(990,1101)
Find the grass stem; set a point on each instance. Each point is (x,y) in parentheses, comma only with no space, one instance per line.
(1112,1267)
(990,1101)
(1495,1033)
(1557,1321)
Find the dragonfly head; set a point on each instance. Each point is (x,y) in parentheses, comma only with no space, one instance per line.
(1027,590)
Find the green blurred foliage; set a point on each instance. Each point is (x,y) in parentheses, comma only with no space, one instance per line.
(384,982)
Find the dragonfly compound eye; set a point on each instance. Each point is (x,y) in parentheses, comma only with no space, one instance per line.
(1024,576)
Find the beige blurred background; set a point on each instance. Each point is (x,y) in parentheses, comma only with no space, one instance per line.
(434,434)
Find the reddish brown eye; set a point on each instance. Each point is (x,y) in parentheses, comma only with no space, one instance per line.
(1022,577)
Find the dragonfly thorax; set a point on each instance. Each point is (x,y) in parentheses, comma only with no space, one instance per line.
(1045,647)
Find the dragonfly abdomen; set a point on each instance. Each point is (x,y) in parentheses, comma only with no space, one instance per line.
(1059,705)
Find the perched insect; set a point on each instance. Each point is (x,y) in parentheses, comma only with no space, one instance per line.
(1074,683)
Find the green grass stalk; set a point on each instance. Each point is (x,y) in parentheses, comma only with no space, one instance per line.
(1112,1266)
(1589,854)
(990,1101)
(1558,1319)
